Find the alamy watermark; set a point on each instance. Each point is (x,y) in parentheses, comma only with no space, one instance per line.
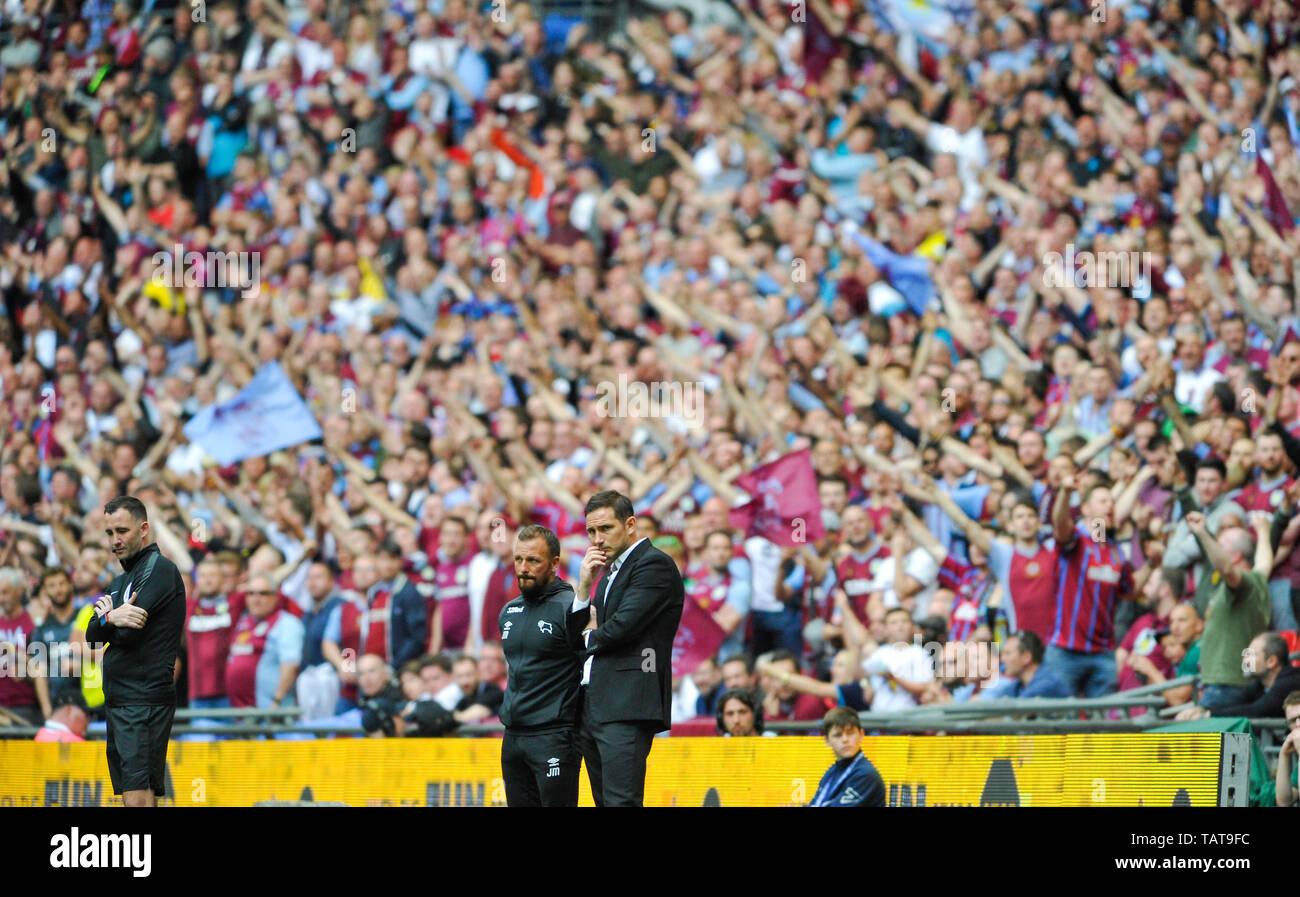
(78,850)
(213,269)
(656,399)
(971,661)
(1085,269)
(67,660)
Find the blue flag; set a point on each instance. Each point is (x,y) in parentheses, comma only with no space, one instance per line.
(266,415)
(909,274)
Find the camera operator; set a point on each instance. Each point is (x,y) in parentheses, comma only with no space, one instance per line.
(381,698)
(387,711)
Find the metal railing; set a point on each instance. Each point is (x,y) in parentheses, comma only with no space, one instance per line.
(1003,716)
(245,721)
(253,722)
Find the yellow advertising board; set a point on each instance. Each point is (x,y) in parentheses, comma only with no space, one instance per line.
(1032,770)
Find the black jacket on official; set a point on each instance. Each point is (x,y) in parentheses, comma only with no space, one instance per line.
(541,638)
(139,664)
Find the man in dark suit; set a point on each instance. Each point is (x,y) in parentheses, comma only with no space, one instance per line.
(627,675)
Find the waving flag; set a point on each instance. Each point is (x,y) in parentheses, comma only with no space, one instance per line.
(909,274)
(698,638)
(819,47)
(785,509)
(1274,203)
(266,415)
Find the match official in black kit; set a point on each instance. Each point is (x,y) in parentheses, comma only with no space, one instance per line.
(142,617)
(541,636)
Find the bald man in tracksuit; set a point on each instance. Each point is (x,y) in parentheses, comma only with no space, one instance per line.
(541,637)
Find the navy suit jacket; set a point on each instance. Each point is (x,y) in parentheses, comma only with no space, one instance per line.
(632,648)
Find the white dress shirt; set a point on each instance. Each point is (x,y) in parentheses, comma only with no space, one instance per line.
(580,603)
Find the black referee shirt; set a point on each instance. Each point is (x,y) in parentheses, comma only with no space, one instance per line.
(139,664)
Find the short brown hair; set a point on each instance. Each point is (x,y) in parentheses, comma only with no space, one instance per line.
(840,718)
(411,666)
(615,501)
(50,572)
(537,531)
(1291,700)
(441,661)
(130,504)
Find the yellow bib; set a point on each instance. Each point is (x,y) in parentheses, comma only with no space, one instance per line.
(92,676)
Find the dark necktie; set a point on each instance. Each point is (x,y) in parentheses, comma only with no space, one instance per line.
(609,581)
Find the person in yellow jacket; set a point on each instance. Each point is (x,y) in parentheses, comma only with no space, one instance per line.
(92,671)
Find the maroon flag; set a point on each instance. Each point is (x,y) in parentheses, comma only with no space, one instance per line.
(1275,209)
(819,47)
(698,638)
(785,508)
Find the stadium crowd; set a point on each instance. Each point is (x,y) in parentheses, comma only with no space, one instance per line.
(1020,277)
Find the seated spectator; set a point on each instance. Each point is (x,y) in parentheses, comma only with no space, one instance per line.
(435,670)
(1268,663)
(69,720)
(1025,675)
(781,701)
(408,677)
(1171,646)
(738,672)
(707,679)
(479,700)
(1186,626)
(424,719)
(740,715)
(380,698)
(852,780)
(970,670)
(492,665)
(847,687)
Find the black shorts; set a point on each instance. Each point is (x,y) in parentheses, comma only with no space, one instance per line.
(137,747)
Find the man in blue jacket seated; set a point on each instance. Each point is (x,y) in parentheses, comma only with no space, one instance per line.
(1025,676)
(851,781)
